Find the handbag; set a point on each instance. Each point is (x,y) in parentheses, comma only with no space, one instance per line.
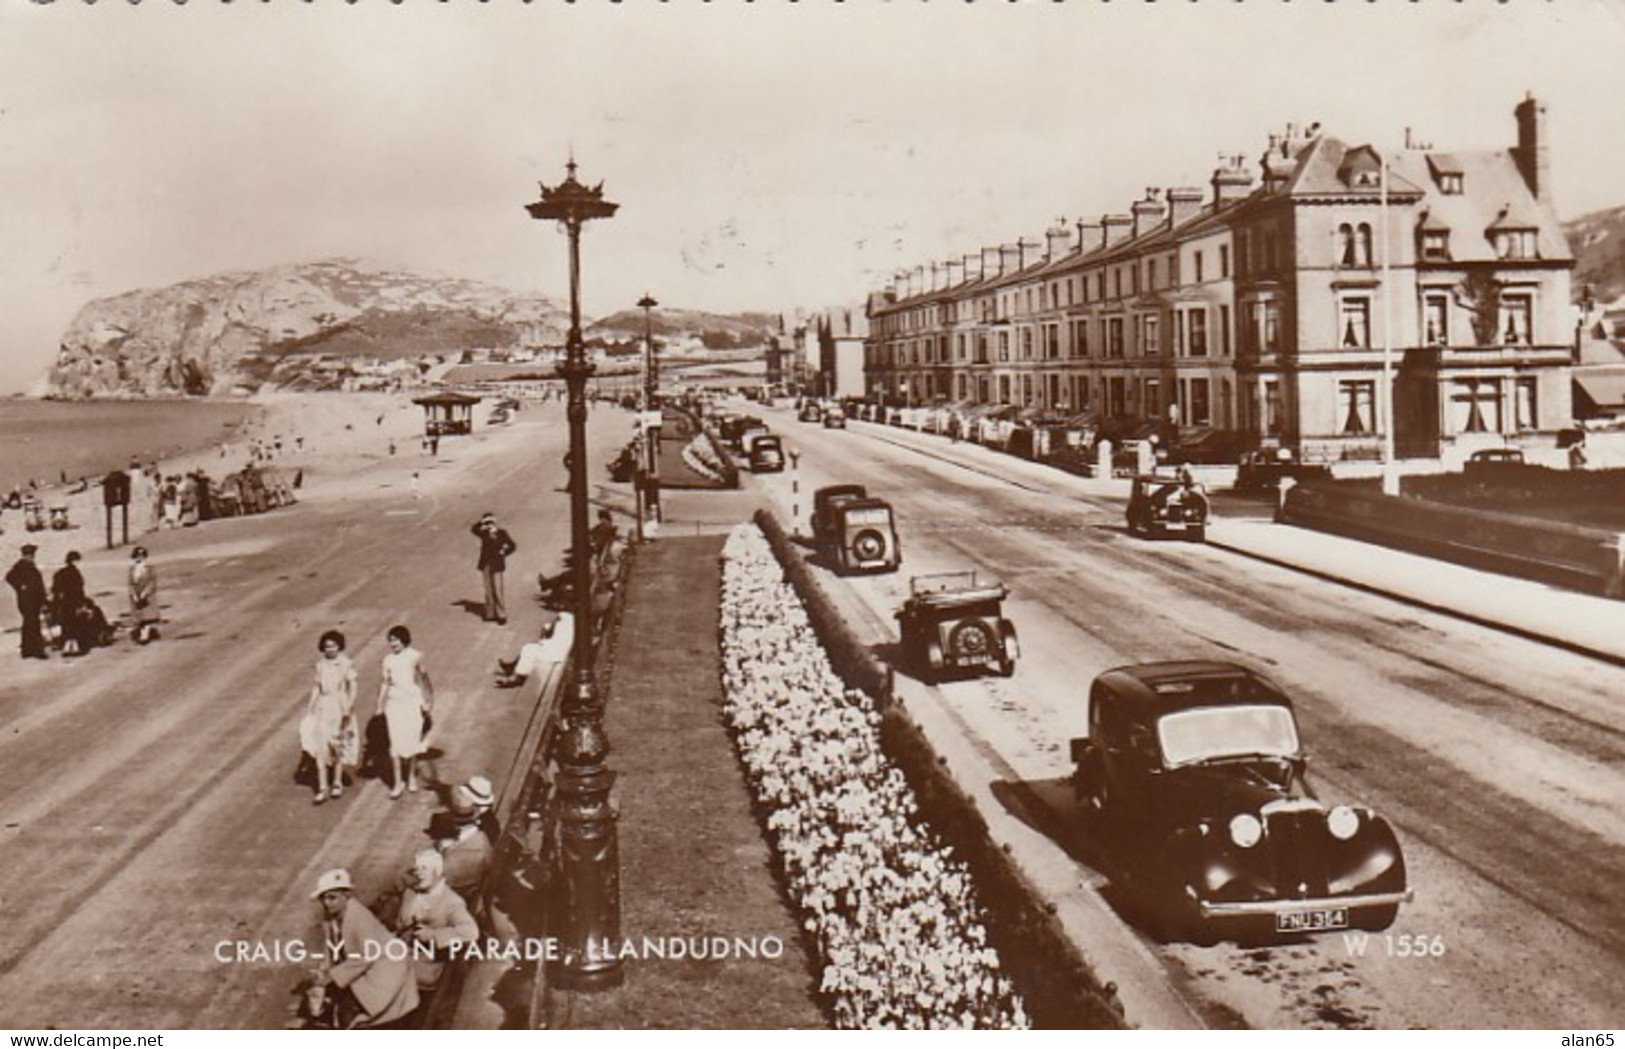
(349,744)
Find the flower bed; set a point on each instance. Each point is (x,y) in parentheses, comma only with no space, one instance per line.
(892,916)
(702,458)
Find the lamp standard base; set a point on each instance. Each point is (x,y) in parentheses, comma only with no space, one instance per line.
(589,883)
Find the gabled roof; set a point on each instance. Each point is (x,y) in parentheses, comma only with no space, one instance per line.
(1493,195)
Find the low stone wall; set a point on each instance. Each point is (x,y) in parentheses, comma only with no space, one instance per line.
(1058,986)
(1584,558)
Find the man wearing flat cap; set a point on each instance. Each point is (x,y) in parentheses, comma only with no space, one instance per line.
(365,960)
(495,546)
(26,580)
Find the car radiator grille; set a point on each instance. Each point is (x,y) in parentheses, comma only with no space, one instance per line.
(1298,841)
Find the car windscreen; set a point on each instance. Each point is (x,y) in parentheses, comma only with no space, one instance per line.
(874,515)
(1212,733)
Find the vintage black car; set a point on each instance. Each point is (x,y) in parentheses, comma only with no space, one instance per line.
(766,454)
(855,532)
(834,417)
(952,622)
(1193,776)
(1167,503)
(1261,470)
(809,412)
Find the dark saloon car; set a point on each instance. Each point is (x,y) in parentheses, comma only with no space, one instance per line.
(951,622)
(766,454)
(855,532)
(1168,503)
(1193,775)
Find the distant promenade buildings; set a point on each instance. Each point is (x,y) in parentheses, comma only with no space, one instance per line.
(1261,304)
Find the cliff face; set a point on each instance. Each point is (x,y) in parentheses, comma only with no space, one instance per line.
(248,330)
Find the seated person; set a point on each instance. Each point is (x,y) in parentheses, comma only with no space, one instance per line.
(551,647)
(466,848)
(434,916)
(366,965)
(602,534)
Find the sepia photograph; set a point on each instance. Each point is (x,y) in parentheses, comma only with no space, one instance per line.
(812,516)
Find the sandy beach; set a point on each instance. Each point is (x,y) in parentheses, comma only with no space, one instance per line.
(324,437)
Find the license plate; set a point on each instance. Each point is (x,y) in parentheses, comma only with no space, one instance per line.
(1312,921)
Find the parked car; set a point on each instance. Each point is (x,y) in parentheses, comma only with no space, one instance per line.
(834,418)
(1261,470)
(733,428)
(766,454)
(1193,775)
(952,622)
(855,532)
(1167,503)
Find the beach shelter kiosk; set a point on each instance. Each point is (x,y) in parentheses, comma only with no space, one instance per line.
(447,413)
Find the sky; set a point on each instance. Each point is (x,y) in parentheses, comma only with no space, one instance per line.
(765,155)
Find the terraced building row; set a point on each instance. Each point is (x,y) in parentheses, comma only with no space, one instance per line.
(1265,304)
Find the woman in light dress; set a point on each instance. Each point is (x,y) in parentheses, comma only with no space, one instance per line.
(327,732)
(405,695)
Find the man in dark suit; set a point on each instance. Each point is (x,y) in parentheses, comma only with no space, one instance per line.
(495,546)
(26,580)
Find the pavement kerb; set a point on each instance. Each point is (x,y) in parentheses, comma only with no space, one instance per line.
(1566,619)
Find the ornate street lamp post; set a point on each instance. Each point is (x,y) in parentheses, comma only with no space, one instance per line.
(651,435)
(589,863)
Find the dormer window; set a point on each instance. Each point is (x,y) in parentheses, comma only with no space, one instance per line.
(1450,185)
(1515,244)
(1435,245)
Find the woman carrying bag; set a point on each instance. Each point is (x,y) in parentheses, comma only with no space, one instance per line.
(327,732)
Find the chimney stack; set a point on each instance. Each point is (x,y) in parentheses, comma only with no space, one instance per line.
(1184,204)
(1009,258)
(1058,240)
(1148,212)
(1091,236)
(1231,179)
(950,277)
(1532,154)
(1117,227)
(992,262)
(973,267)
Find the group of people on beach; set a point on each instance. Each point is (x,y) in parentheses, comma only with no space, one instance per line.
(66,615)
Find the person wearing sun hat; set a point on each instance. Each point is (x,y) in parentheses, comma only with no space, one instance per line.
(365,960)
(466,846)
(483,795)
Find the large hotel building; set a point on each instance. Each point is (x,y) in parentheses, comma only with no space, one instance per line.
(1264,304)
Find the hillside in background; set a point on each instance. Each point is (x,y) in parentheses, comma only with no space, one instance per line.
(314,325)
(1598,242)
(243,331)
(718,331)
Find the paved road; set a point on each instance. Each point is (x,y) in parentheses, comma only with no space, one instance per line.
(1499,759)
(149,812)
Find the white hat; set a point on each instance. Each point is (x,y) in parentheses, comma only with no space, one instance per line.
(479,791)
(337,878)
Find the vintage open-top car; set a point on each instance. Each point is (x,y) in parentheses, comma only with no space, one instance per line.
(1166,503)
(854,531)
(952,622)
(1193,775)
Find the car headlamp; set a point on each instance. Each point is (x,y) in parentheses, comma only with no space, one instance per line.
(1343,822)
(1245,830)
